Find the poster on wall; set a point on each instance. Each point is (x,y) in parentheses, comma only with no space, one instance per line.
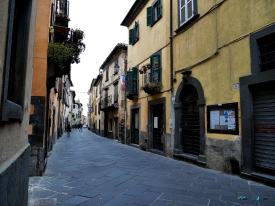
(222,118)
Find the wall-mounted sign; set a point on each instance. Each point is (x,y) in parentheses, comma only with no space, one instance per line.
(223,118)
(116,105)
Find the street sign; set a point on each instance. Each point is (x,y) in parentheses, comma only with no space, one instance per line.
(115,105)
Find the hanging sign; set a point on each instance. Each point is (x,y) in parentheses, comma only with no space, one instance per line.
(122,81)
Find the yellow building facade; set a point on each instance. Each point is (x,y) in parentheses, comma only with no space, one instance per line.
(218,57)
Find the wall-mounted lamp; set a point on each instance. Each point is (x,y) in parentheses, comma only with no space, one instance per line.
(185,75)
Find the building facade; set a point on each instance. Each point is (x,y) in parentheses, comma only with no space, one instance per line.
(17,29)
(217,59)
(113,93)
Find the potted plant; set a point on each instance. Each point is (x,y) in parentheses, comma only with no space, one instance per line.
(144,68)
(148,65)
(156,64)
(151,87)
(140,71)
(77,35)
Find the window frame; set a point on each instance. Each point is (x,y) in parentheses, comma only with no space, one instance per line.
(13,94)
(195,15)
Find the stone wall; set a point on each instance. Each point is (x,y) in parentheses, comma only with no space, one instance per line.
(14,180)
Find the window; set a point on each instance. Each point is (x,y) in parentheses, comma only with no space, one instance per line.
(115,93)
(187,10)
(155,68)
(134,34)
(107,74)
(12,102)
(154,13)
(116,67)
(266,46)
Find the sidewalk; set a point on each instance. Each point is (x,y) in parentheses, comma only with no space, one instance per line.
(87,170)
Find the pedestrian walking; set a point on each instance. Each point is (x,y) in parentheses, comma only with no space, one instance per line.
(68,129)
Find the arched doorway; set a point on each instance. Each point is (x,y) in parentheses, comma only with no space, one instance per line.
(190,120)
(190,137)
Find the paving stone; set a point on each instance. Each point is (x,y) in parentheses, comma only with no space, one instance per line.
(98,200)
(75,200)
(184,199)
(120,200)
(146,198)
(61,197)
(137,190)
(102,171)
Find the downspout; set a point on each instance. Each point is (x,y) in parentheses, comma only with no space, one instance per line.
(172,113)
(171,46)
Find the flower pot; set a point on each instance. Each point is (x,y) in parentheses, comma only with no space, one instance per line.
(156,64)
(148,66)
(141,71)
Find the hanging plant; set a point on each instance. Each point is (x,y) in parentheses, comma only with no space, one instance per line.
(148,66)
(78,34)
(60,54)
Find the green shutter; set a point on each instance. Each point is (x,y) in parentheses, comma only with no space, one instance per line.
(134,80)
(149,15)
(131,36)
(155,73)
(159,8)
(136,31)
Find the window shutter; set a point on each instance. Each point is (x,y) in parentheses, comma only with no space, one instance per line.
(136,31)
(134,80)
(159,9)
(128,81)
(149,15)
(131,36)
(155,73)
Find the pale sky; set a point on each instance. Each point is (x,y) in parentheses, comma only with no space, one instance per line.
(100,20)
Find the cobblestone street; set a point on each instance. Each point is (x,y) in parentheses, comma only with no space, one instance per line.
(85,169)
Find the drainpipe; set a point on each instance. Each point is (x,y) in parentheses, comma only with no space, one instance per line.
(172,113)
(171,46)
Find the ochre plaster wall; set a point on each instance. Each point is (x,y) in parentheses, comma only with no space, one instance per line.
(41,47)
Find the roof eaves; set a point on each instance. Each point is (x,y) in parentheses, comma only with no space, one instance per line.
(133,12)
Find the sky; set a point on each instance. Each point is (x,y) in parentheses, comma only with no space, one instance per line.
(100,20)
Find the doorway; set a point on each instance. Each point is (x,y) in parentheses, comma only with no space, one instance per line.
(135,126)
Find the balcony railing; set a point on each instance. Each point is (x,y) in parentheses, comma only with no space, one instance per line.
(62,7)
(106,102)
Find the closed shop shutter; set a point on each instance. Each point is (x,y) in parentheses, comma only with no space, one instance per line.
(264,129)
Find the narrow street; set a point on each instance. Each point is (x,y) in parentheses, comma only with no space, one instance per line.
(85,169)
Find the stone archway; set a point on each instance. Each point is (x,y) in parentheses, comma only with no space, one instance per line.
(190,88)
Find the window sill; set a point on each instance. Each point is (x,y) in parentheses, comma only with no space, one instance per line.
(185,26)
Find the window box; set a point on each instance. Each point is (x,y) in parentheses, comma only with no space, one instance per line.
(151,87)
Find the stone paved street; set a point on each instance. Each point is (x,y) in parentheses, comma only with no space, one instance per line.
(87,170)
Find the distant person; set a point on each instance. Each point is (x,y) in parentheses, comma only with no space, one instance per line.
(68,129)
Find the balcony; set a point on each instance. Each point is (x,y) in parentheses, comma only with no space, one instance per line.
(149,86)
(62,13)
(107,102)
